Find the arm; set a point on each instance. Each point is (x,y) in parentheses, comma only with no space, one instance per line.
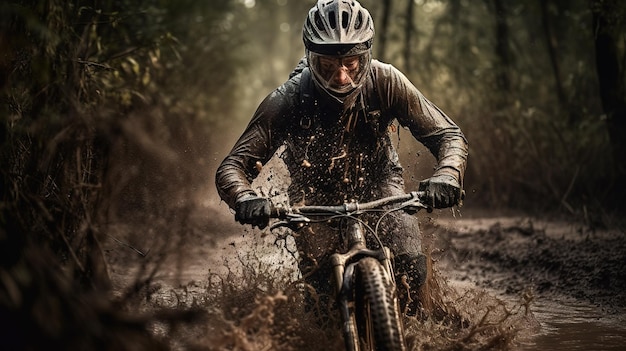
(427,123)
(258,143)
(441,136)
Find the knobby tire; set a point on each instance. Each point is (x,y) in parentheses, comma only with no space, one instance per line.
(377,314)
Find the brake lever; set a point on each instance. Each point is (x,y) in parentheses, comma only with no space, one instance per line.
(292,221)
(415,205)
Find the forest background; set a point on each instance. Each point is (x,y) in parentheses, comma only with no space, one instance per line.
(118,112)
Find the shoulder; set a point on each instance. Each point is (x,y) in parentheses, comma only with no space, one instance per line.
(394,88)
(285,96)
(279,105)
(385,72)
(378,66)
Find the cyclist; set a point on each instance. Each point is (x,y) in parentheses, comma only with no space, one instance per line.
(335,117)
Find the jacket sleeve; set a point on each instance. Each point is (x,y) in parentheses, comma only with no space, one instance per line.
(427,123)
(254,148)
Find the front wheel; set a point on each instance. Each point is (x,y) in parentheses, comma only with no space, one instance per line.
(377,312)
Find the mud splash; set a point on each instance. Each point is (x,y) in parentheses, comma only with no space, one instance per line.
(253,301)
(249,319)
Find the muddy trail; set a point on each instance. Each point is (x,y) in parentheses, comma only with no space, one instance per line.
(552,259)
(504,283)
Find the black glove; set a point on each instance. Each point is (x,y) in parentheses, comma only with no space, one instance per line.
(441,191)
(253,210)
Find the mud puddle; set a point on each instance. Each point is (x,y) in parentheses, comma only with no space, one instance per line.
(572,326)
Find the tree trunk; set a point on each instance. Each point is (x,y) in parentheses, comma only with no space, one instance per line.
(384,30)
(408,37)
(503,80)
(608,21)
(551,44)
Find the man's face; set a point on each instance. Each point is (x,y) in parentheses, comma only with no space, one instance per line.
(340,74)
(339,71)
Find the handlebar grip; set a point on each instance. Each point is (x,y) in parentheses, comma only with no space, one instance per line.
(278,212)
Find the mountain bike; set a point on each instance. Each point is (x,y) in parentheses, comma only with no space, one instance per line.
(363,277)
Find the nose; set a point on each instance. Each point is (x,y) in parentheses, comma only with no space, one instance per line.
(341,76)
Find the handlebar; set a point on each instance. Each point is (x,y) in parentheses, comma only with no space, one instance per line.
(297,216)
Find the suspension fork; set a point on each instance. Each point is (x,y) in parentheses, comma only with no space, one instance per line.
(342,275)
(354,238)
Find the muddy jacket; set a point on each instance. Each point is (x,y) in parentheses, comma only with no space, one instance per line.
(334,155)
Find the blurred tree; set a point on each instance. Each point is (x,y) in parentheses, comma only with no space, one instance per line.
(552,48)
(503,53)
(383,29)
(610,27)
(409,29)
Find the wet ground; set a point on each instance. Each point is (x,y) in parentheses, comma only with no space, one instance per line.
(575,275)
(574,278)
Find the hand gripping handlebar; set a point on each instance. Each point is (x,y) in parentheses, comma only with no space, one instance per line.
(296,217)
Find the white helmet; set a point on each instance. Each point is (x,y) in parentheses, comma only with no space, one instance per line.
(338,37)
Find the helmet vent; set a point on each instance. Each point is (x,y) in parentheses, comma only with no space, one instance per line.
(344,19)
(358,21)
(332,20)
(318,22)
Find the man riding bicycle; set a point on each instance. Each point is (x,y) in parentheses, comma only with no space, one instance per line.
(334,117)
